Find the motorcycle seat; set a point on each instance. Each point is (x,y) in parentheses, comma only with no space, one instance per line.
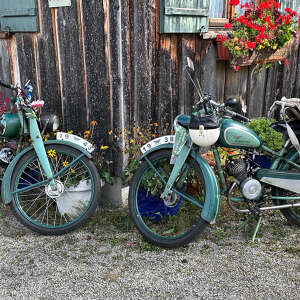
(193,122)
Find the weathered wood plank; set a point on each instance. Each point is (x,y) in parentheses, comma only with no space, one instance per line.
(186,88)
(272,89)
(290,71)
(165,100)
(119,53)
(27,66)
(73,95)
(48,77)
(142,60)
(97,83)
(236,85)
(256,91)
(5,74)
(209,71)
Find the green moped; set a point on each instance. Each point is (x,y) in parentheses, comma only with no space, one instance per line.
(175,193)
(52,186)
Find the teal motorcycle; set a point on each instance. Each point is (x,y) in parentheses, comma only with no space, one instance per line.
(52,186)
(175,193)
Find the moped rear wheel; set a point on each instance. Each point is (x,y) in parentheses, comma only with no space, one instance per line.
(174,221)
(55,212)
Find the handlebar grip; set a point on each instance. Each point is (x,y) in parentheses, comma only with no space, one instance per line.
(9,86)
(242,118)
(238,116)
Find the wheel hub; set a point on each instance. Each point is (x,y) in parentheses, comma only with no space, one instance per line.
(56,191)
(171,200)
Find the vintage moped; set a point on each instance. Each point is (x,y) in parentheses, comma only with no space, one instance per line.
(52,186)
(175,193)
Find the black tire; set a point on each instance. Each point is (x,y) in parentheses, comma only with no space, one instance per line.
(291,214)
(177,223)
(80,186)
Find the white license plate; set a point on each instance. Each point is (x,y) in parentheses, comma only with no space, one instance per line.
(167,139)
(62,136)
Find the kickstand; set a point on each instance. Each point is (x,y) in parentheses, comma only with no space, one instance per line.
(256,227)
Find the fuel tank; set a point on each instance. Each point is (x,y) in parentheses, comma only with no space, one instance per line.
(236,135)
(9,125)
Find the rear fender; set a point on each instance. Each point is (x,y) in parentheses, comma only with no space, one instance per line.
(212,198)
(6,195)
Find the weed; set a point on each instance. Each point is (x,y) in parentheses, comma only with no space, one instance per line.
(145,246)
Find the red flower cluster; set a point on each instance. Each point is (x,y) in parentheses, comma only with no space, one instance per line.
(259,28)
(234,2)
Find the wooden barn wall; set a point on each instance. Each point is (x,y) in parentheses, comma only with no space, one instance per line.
(104,60)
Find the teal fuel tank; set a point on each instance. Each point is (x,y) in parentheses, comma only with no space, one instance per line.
(9,125)
(236,135)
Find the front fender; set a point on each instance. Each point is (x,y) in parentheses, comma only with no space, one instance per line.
(212,196)
(6,195)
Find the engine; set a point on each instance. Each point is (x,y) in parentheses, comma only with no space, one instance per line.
(239,168)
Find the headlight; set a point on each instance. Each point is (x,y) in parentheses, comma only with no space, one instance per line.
(50,121)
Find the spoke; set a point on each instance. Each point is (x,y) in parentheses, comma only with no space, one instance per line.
(38,209)
(41,170)
(33,202)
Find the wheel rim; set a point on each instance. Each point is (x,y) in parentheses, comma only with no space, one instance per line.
(175,217)
(74,199)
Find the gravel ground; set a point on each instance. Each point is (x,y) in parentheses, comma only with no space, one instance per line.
(107,259)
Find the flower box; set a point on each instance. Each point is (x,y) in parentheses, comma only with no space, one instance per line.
(267,55)
(222,52)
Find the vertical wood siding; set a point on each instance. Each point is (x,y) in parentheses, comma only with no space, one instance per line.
(105,61)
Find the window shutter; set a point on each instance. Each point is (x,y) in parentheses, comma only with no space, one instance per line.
(184,16)
(18,16)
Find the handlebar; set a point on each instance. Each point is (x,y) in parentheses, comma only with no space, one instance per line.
(7,85)
(237,116)
(222,107)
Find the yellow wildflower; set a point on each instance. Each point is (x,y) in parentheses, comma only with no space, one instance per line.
(65,163)
(73,171)
(110,132)
(104,147)
(51,153)
(87,132)
(70,131)
(131,141)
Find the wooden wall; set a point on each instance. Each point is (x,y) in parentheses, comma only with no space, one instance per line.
(104,60)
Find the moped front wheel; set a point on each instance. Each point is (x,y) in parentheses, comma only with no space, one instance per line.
(176,220)
(59,210)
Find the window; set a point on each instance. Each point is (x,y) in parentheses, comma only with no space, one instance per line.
(18,16)
(184,16)
(293,4)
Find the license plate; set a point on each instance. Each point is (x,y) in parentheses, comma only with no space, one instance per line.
(168,139)
(62,136)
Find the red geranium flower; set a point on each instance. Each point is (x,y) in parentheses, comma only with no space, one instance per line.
(227,25)
(234,2)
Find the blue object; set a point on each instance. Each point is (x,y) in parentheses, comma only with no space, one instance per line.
(154,207)
(29,179)
(261,161)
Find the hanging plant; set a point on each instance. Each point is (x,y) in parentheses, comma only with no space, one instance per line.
(259,32)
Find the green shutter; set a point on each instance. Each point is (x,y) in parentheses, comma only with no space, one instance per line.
(18,16)
(184,16)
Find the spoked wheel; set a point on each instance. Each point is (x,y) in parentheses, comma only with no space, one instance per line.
(292,214)
(59,210)
(174,221)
